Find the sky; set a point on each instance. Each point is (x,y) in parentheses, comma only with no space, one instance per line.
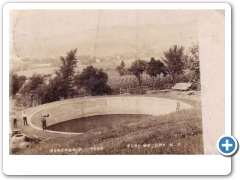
(51,33)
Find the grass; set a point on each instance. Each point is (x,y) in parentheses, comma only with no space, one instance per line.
(175,133)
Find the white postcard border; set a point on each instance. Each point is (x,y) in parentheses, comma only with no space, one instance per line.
(114,164)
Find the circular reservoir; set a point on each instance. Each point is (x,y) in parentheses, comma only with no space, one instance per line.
(82,114)
(84,124)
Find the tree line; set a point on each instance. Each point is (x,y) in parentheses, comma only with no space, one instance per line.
(65,82)
(174,63)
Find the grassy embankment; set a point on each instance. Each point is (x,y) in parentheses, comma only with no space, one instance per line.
(175,133)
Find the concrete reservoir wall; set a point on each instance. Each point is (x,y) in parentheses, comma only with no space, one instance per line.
(84,107)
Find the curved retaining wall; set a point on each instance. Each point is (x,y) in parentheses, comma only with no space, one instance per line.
(84,107)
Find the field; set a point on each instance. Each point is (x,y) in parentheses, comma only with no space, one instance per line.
(112,73)
(29,73)
(175,133)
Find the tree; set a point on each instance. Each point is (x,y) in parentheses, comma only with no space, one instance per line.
(31,88)
(66,72)
(46,93)
(35,81)
(155,68)
(13,84)
(193,62)
(137,69)
(40,93)
(16,83)
(52,91)
(93,80)
(21,80)
(121,68)
(175,61)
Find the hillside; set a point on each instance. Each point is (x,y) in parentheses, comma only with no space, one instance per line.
(142,40)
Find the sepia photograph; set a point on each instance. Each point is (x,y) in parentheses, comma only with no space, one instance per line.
(115,81)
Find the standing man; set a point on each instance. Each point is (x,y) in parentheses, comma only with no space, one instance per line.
(44,122)
(14,117)
(24,116)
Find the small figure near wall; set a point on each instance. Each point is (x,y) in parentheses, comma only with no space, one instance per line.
(44,122)
(14,117)
(24,116)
